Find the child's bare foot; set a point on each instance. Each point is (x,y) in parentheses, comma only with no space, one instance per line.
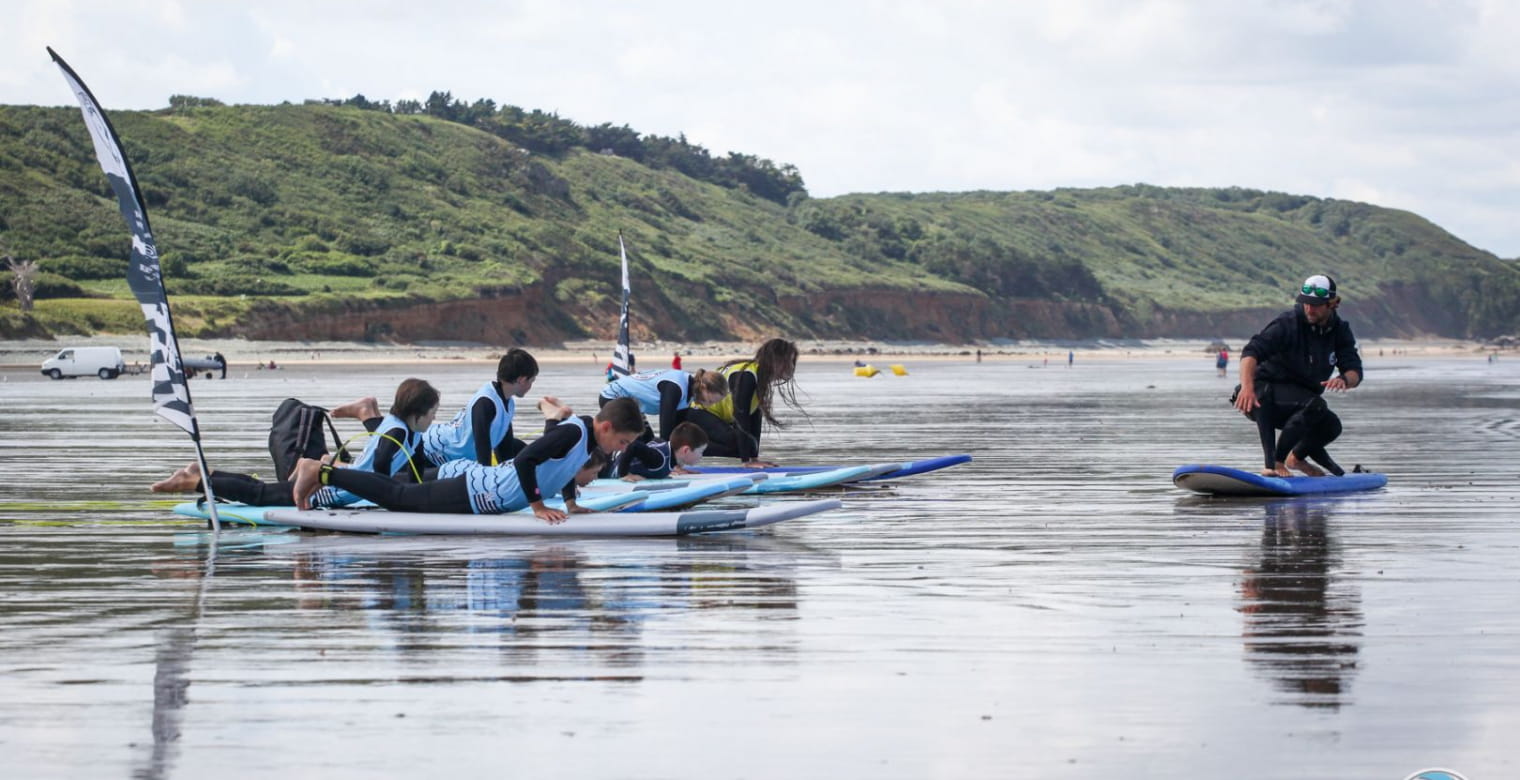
(185,480)
(306,480)
(361,409)
(553,410)
(1299,464)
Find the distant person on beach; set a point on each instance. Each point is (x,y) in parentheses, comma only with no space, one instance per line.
(569,454)
(1071,357)
(221,361)
(735,423)
(482,430)
(1285,370)
(675,362)
(1222,361)
(393,451)
(668,394)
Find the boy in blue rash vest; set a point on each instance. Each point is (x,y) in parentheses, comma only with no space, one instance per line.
(661,459)
(1285,370)
(482,430)
(392,452)
(549,465)
(667,393)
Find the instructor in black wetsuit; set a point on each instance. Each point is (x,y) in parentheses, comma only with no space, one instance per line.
(1284,372)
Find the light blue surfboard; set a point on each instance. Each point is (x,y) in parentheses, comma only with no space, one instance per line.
(899,470)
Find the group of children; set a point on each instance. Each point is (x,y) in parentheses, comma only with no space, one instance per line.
(474,463)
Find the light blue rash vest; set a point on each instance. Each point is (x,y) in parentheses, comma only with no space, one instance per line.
(644,388)
(455,439)
(497,489)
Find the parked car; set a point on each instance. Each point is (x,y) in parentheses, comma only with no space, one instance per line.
(104,362)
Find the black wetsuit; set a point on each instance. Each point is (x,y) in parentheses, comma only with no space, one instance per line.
(650,460)
(1293,359)
(451,494)
(740,438)
(250,490)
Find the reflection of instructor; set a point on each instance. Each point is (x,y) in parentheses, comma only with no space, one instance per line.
(1300,628)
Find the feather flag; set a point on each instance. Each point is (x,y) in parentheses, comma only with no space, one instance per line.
(622,358)
(171,394)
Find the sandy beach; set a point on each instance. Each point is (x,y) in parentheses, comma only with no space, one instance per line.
(240,352)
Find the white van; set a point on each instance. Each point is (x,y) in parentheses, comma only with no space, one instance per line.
(104,362)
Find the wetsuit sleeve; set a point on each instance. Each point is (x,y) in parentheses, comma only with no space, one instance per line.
(386,449)
(508,447)
(743,390)
(557,442)
(670,398)
(481,416)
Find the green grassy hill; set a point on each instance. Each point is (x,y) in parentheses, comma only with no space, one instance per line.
(323,221)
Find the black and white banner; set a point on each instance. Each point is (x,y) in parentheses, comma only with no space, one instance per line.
(171,396)
(622,358)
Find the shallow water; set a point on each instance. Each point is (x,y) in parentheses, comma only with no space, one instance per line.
(1054,608)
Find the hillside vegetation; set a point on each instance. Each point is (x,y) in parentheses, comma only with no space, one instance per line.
(342,221)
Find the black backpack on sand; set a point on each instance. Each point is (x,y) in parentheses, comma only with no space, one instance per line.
(295,432)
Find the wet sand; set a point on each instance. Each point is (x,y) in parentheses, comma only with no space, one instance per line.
(1055,608)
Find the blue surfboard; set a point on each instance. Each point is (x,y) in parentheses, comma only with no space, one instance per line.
(1225,481)
(904,469)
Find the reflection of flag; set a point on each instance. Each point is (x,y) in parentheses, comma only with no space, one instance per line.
(622,358)
(171,396)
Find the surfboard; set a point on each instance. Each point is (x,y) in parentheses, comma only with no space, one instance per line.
(760,483)
(1225,481)
(690,493)
(898,469)
(242,514)
(696,521)
(818,480)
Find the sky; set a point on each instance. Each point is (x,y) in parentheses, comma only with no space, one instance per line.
(1407,104)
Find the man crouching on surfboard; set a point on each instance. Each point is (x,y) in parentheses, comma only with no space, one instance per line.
(1284,372)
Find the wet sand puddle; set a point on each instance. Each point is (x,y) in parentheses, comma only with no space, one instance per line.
(1055,607)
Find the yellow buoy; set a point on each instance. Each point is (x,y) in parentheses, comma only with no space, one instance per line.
(867,371)
(898,370)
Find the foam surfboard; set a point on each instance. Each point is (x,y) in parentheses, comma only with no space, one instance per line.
(899,469)
(1225,481)
(685,495)
(818,480)
(763,484)
(242,514)
(695,521)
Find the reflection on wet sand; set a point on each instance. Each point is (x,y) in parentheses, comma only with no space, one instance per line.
(552,602)
(1302,625)
(171,672)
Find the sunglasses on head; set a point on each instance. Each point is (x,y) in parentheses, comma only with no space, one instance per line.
(1320,292)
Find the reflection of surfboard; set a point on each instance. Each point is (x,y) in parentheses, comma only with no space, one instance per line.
(902,469)
(1225,481)
(596,524)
